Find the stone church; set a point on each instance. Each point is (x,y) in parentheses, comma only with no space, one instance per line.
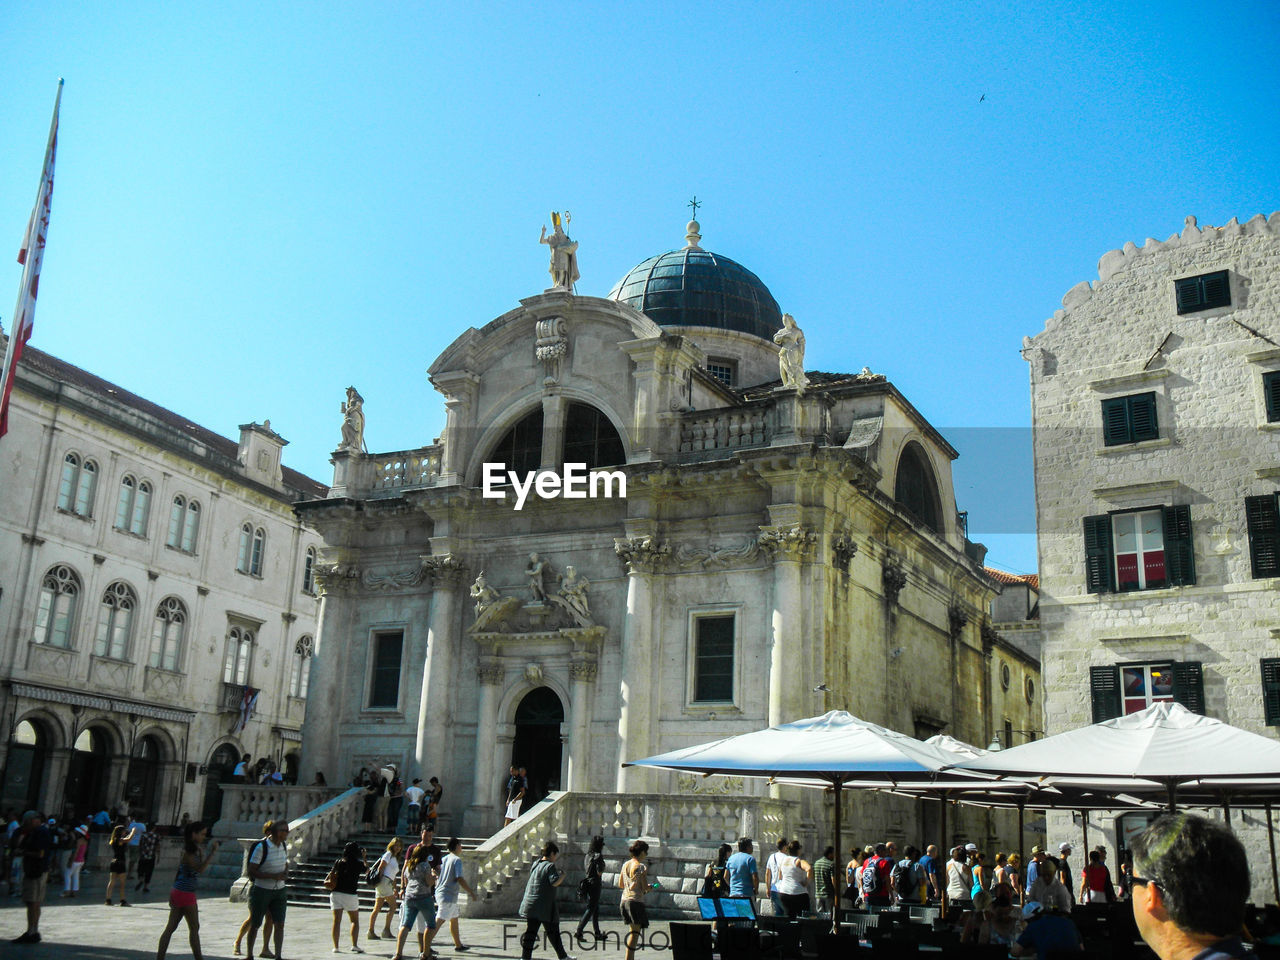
(788,543)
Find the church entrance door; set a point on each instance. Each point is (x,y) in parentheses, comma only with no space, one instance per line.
(537,742)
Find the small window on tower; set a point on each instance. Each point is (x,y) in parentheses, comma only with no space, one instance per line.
(723,369)
(1203,292)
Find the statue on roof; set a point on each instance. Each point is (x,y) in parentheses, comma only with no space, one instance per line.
(791,358)
(352,422)
(564,253)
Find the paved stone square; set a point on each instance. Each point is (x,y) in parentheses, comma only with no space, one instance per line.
(87,929)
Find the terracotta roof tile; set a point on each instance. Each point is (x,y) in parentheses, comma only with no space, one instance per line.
(1000,576)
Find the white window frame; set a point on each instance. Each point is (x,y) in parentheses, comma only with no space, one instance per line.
(133,508)
(77,485)
(1149,696)
(237,662)
(168,629)
(116,612)
(691,657)
(1141,545)
(309,572)
(60,591)
(300,670)
(190,527)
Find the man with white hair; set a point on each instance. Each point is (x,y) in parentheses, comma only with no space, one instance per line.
(1189,887)
(1046,933)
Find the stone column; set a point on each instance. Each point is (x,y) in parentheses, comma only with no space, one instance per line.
(484,788)
(554,409)
(57,764)
(642,556)
(435,708)
(582,676)
(791,546)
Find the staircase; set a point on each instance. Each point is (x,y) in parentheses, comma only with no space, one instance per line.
(306,876)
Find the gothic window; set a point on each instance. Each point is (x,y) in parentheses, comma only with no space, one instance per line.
(76,488)
(590,438)
(190,527)
(134,506)
(252,544)
(915,488)
(521,447)
(1139,550)
(235,667)
(55,616)
(1120,689)
(176,514)
(309,571)
(115,621)
(166,633)
(713,659)
(384,684)
(300,672)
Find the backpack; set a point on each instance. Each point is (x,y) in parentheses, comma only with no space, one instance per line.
(870,879)
(906,879)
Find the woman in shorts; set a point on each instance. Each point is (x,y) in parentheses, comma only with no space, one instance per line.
(182,898)
(418,881)
(386,888)
(118,868)
(451,879)
(633,878)
(345,895)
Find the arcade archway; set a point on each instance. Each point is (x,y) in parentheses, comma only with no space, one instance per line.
(537,744)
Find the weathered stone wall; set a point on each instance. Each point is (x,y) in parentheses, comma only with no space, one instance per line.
(1120,336)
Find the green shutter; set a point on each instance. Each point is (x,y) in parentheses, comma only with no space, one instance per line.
(1115,421)
(1097,554)
(1188,685)
(1142,417)
(1263,517)
(1215,290)
(1271,389)
(1188,293)
(1104,692)
(1179,547)
(1271,690)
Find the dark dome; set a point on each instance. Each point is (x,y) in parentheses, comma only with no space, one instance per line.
(693,287)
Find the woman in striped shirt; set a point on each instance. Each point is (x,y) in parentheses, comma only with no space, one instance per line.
(182,898)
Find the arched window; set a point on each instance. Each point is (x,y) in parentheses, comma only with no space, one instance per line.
(166,633)
(176,513)
(255,555)
(309,571)
(134,506)
(191,527)
(246,546)
(300,674)
(252,545)
(235,668)
(915,488)
(590,438)
(75,491)
(115,621)
(521,448)
(55,617)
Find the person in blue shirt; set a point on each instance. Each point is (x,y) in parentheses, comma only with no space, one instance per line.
(1033,867)
(742,871)
(932,872)
(1045,933)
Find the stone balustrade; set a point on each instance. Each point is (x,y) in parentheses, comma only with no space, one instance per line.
(247,806)
(402,469)
(726,429)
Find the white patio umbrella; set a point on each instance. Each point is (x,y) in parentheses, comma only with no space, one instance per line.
(827,751)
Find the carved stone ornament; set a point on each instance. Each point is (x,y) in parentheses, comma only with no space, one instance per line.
(685,555)
(336,577)
(393,581)
(692,783)
(352,423)
(842,549)
(489,674)
(574,597)
(894,579)
(957,617)
(445,568)
(641,554)
(533,673)
(789,543)
(551,346)
(583,672)
(990,637)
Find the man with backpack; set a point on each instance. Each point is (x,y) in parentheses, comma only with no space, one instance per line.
(269,866)
(908,877)
(876,880)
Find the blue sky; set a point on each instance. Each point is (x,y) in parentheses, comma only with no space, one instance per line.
(257,205)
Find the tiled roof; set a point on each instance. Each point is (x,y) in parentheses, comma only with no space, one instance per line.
(1000,576)
(69,373)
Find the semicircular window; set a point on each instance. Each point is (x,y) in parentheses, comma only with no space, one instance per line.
(590,438)
(521,447)
(916,489)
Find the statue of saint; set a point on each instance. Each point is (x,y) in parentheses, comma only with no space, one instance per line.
(573,589)
(791,360)
(564,254)
(483,594)
(353,422)
(535,573)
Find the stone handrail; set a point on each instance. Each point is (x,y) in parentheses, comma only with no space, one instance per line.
(247,806)
(727,429)
(500,863)
(402,469)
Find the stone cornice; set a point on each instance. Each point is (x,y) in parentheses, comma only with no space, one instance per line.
(76,698)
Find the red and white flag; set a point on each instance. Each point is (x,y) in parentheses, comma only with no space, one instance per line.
(30,256)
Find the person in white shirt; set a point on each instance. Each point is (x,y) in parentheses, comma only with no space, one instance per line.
(794,877)
(269,866)
(413,796)
(386,888)
(451,879)
(772,872)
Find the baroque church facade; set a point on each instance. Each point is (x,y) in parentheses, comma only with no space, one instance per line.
(786,545)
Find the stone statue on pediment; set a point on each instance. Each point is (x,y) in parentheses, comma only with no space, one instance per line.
(564,254)
(791,358)
(573,590)
(536,571)
(352,422)
(483,594)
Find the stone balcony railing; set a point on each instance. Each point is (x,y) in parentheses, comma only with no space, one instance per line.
(247,806)
(731,428)
(381,473)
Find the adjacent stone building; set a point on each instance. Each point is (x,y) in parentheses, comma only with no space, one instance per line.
(154,581)
(784,547)
(1156,417)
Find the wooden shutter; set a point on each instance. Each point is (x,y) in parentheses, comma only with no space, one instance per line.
(1188,294)
(1142,417)
(1271,690)
(1271,389)
(1098,574)
(1263,516)
(1115,421)
(1104,692)
(1188,685)
(1215,290)
(1179,548)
